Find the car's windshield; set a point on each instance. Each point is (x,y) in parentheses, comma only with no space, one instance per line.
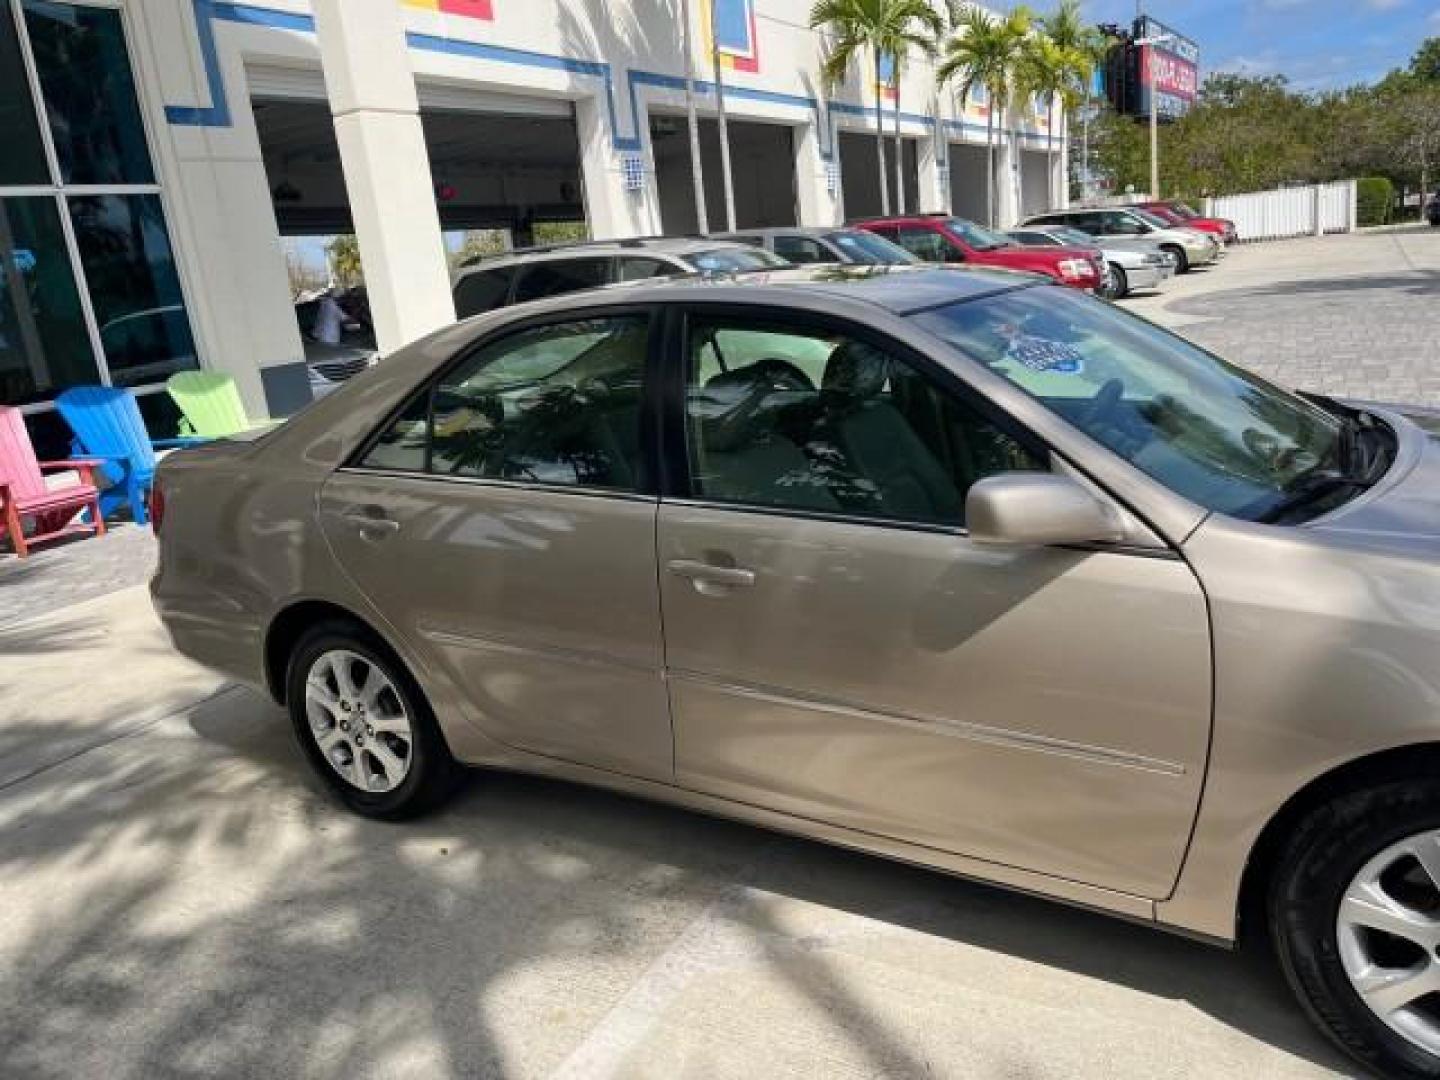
(1183,210)
(1208,430)
(735,260)
(978,238)
(1152,219)
(865,247)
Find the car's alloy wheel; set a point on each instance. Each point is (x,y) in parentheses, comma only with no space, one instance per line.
(1116,285)
(1182,261)
(365,724)
(358,720)
(1388,934)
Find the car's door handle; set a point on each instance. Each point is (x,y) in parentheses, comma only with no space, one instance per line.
(703,573)
(371,521)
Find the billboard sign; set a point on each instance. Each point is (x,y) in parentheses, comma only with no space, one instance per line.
(1168,67)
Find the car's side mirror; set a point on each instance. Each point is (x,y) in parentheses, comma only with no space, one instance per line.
(1038,508)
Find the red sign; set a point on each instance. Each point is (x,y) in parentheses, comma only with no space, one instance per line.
(1168,73)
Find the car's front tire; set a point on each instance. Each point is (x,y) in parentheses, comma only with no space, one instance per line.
(364,724)
(1354,911)
(1117,284)
(1182,261)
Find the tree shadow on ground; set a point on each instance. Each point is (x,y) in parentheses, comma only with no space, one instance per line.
(188,902)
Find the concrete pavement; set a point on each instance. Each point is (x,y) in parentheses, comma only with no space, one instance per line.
(179,898)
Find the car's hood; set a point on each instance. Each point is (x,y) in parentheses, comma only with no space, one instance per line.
(1402,511)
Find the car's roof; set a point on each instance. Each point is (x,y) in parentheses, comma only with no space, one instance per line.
(904,219)
(817,231)
(901,290)
(661,245)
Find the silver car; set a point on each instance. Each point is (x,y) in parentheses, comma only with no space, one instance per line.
(954,566)
(1129,265)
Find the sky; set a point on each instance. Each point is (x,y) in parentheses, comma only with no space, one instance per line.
(1318,44)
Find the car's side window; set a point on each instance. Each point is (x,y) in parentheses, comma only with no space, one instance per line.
(810,419)
(557,404)
(555,276)
(636,268)
(483,290)
(926,243)
(801,249)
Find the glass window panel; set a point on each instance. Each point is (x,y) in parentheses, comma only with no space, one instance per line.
(868,436)
(89,93)
(23,159)
(134,288)
(44,346)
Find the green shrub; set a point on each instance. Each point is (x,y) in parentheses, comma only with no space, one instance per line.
(1374,197)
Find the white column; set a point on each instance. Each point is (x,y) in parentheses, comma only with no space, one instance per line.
(934,183)
(1007,158)
(387,168)
(818,206)
(611,211)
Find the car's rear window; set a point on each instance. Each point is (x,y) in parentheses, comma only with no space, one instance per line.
(736,260)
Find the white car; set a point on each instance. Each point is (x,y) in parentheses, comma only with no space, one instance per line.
(1129,264)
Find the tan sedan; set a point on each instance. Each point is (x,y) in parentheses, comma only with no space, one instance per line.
(957,567)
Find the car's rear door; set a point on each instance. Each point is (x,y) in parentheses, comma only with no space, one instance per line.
(838,649)
(504,524)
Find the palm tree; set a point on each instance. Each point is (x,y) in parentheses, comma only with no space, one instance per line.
(881,28)
(985,50)
(1045,73)
(1083,48)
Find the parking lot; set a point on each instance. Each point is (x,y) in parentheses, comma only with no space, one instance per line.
(179,898)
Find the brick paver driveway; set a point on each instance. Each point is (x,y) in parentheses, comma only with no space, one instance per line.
(1354,316)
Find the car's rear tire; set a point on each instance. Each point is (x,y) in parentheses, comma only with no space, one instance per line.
(1348,865)
(1182,261)
(364,724)
(1118,285)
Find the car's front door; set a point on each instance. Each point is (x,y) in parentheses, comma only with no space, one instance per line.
(499,524)
(838,649)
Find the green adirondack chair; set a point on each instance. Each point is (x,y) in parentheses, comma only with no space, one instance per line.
(210,404)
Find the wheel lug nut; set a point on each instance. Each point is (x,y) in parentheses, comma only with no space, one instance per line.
(344,725)
(369,730)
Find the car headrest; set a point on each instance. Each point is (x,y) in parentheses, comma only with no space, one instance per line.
(734,398)
(856,370)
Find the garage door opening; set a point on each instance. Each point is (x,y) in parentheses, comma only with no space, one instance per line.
(1034,182)
(762,168)
(969,168)
(861,181)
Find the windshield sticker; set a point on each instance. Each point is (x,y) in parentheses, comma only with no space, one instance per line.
(1041,354)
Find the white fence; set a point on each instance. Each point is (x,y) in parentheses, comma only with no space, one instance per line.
(1299,211)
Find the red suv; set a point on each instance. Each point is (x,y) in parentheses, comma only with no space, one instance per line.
(1183,217)
(944,239)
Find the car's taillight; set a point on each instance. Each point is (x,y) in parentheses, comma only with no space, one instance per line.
(157,507)
(1076,269)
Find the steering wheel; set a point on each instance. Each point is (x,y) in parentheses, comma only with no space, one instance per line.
(1101,409)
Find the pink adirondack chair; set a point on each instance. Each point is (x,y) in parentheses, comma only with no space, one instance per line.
(24,494)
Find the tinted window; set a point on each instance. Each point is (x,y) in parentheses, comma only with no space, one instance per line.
(926,243)
(1114,223)
(1217,435)
(558,404)
(632,268)
(801,249)
(1031,239)
(979,238)
(482,291)
(811,419)
(134,286)
(89,93)
(556,276)
(23,161)
(868,249)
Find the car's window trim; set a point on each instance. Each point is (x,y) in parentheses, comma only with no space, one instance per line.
(649,486)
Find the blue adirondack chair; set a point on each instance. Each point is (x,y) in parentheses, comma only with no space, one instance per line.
(108,427)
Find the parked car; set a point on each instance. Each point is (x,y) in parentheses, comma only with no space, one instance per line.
(941,238)
(955,566)
(853,247)
(1432,211)
(1129,265)
(349,345)
(1190,247)
(1178,213)
(535,273)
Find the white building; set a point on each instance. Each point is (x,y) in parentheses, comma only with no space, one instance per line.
(159,150)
